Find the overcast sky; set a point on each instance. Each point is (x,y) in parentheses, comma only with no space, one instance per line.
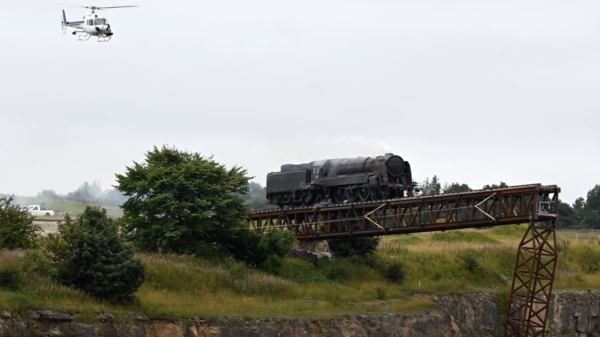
(472,91)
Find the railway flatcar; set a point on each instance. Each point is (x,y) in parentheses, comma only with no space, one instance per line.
(340,180)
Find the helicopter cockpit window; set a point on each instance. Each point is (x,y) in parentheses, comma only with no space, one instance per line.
(90,22)
(99,22)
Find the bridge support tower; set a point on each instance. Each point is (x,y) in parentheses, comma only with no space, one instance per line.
(532,282)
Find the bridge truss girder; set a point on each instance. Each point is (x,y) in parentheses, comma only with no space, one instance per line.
(476,209)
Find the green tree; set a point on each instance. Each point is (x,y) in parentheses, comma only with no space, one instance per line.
(433,187)
(276,244)
(494,186)
(88,254)
(456,188)
(578,214)
(17,229)
(182,202)
(565,215)
(266,250)
(591,209)
(361,246)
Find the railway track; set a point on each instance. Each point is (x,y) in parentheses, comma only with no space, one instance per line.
(473,209)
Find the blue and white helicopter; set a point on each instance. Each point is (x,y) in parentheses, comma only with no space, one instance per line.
(92,25)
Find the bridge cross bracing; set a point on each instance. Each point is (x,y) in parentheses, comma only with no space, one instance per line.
(475,209)
(535,204)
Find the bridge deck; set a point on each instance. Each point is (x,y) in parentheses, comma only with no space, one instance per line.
(481,208)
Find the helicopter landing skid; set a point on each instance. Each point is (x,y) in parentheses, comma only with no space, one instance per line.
(83,36)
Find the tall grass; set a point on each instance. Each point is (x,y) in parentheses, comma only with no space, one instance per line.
(186,286)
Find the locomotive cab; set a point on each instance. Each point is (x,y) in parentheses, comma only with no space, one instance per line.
(320,169)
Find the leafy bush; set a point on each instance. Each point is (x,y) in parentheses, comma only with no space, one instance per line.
(395,273)
(276,244)
(17,229)
(89,255)
(245,246)
(10,276)
(589,259)
(354,246)
(468,259)
(266,250)
(338,274)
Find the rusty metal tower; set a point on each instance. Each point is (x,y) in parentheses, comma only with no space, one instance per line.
(532,282)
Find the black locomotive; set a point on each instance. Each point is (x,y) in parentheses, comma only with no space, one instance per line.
(337,180)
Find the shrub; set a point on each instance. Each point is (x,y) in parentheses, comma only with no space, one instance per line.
(89,255)
(381,294)
(395,273)
(354,246)
(17,229)
(276,244)
(589,260)
(338,274)
(468,259)
(10,277)
(338,270)
(244,245)
(266,250)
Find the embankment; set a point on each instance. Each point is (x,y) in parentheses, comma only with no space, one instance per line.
(572,314)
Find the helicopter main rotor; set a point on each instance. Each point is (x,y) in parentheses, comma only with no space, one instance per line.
(94,8)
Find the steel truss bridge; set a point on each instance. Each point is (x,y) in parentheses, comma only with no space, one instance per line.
(534,204)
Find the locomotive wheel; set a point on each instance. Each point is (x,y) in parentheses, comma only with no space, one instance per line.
(363,193)
(373,194)
(338,195)
(385,193)
(351,194)
(308,197)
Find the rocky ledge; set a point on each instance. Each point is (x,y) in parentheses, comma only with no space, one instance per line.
(572,314)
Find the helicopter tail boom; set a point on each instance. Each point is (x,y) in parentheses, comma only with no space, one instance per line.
(65,23)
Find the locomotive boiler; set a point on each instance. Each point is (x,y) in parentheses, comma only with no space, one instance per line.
(338,180)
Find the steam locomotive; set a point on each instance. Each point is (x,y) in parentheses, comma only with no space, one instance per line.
(339,180)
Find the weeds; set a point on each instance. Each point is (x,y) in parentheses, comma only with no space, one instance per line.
(180,286)
(462,236)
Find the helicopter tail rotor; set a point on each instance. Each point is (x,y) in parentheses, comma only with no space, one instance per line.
(63,22)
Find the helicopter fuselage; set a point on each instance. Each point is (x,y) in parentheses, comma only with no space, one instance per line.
(96,25)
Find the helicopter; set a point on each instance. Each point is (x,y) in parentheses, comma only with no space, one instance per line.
(92,25)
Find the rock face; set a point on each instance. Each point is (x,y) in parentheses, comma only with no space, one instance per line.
(572,314)
(575,314)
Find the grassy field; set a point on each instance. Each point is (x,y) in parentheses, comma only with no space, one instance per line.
(454,261)
(69,206)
